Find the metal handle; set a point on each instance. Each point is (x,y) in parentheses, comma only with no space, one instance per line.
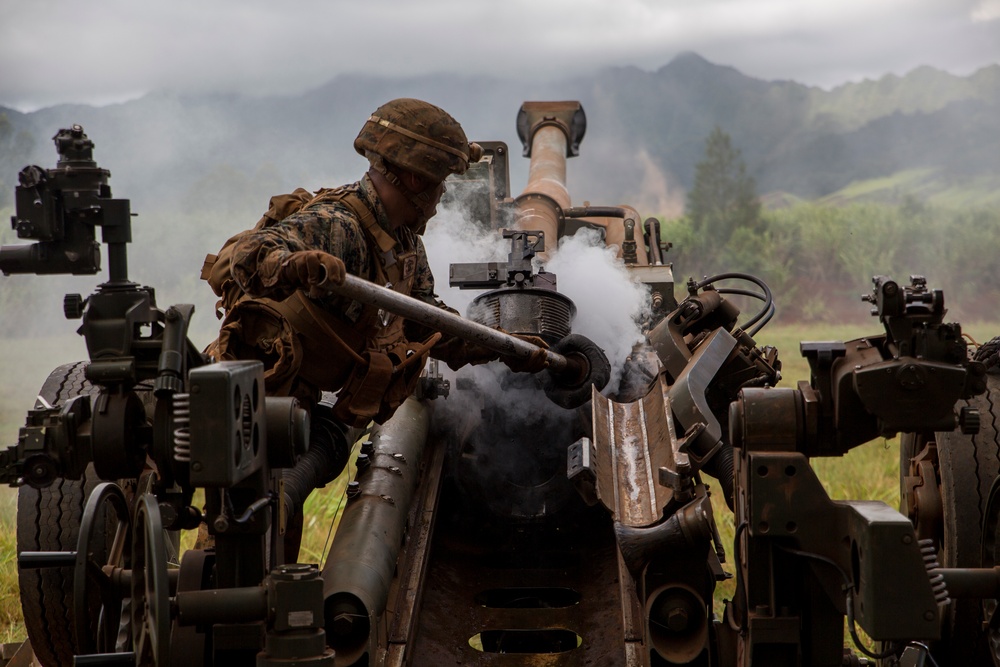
(449,323)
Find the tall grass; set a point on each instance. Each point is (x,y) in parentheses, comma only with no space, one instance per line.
(11,625)
(868,472)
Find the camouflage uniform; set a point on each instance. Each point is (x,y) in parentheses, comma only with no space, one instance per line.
(309,345)
(331,227)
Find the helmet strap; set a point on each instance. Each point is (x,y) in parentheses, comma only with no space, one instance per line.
(420,200)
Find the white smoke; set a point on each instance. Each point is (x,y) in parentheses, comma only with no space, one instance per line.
(609,302)
(510,440)
(452,239)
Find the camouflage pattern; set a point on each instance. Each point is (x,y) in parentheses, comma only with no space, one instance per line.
(332,227)
(296,362)
(422,119)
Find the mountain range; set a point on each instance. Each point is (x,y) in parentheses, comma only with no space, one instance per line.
(929,134)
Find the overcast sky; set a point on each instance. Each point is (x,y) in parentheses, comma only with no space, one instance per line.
(103,51)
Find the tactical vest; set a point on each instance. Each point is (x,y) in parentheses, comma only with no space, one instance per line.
(306,348)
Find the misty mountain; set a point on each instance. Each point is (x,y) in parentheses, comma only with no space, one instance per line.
(646,132)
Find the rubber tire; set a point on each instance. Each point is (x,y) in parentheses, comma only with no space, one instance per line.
(49,520)
(967,467)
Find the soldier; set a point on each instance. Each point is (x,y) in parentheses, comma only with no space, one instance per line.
(278,310)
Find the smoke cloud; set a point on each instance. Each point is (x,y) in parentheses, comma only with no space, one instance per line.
(609,303)
(508,440)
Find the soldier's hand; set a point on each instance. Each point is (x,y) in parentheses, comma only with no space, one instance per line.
(532,364)
(458,353)
(475,354)
(313,270)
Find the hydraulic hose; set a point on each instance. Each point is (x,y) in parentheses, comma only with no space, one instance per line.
(325,459)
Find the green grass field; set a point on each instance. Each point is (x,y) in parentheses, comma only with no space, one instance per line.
(868,472)
(924,184)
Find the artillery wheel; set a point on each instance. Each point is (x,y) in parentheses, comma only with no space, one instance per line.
(105,543)
(967,467)
(48,520)
(150,586)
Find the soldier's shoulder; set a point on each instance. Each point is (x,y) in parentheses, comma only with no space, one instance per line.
(332,203)
(329,210)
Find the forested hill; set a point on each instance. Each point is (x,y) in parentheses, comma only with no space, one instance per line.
(928,133)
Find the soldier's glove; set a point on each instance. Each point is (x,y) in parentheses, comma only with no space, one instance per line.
(458,353)
(477,354)
(312,270)
(532,364)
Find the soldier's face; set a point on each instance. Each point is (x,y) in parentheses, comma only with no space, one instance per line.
(429,199)
(436,193)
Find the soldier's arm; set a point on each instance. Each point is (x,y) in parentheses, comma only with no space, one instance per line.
(258,258)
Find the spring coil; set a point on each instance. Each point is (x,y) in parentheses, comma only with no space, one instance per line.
(938,584)
(182,428)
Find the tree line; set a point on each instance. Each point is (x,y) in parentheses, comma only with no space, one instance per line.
(817,258)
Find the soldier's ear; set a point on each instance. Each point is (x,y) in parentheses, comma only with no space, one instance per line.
(415,182)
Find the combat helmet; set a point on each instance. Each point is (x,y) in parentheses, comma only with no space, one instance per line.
(419,137)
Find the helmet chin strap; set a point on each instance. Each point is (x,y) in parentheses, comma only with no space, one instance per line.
(421,201)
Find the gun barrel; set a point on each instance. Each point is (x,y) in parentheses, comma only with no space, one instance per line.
(551,133)
(359,571)
(449,323)
(545,195)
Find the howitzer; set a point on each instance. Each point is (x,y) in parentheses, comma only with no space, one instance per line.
(500,527)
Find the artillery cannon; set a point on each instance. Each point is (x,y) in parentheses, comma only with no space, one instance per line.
(600,547)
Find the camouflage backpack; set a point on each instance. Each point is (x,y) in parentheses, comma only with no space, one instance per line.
(216,268)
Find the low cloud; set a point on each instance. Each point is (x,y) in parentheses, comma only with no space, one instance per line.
(253,47)
(987,10)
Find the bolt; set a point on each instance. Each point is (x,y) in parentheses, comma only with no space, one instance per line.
(221,524)
(907,539)
(677,619)
(929,615)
